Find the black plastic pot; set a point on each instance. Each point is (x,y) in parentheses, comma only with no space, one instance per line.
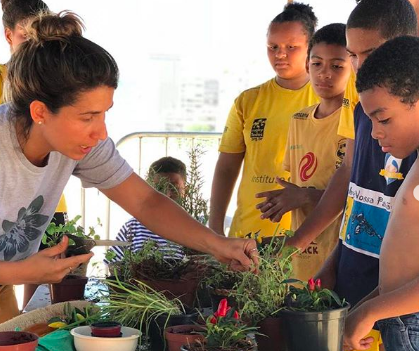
(320,331)
(156,330)
(272,338)
(70,288)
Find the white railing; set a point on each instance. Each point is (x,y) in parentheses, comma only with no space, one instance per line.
(183,141)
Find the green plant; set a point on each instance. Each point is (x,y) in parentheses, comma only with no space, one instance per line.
(54,233)
(311,297)
(193,201)
(73,317)
(150,263)
(225,331)
(219,276)
(137,305)
(263,295)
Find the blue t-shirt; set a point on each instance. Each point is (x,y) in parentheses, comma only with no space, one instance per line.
(375,179)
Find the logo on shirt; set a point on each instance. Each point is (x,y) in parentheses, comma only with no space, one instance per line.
(308,166)
(258,129)
(340,152)
(391,169)
(300,115)
(345,102)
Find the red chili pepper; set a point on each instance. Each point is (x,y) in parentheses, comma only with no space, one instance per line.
(213,320)
(222,308)
(236,315)
(318,284)
(311,284)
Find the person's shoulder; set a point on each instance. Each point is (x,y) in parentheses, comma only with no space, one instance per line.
(254,91)
(304,113)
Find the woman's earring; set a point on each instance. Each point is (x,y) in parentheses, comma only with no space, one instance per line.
(39,122)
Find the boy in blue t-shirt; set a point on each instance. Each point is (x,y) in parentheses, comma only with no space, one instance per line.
(388,86)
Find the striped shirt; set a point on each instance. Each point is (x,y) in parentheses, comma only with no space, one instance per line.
(138,234)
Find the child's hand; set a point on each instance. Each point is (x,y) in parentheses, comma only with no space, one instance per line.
(278,202)
(356,327)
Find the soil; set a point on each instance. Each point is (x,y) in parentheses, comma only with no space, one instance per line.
(241,346)
(21,338)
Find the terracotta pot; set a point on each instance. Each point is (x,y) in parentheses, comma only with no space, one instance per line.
(69,289)
(106,329)
(183,289)
(271,340)
(157,327)
(18,341)
(179,335)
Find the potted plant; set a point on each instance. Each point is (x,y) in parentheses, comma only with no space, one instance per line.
(221,283)
(179,335)
(73,285)
(176,278)
(137,305)
(262,296)
(315,312)
(224,331)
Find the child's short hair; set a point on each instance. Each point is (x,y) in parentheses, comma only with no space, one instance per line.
(298,12)
(168,165)
(392,18)
(332,34)
(394,66)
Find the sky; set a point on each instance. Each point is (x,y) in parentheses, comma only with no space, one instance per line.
(221,39)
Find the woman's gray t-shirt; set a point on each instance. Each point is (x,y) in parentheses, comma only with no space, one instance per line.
(29,194)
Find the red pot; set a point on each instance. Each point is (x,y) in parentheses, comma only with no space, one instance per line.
(106,329)
(18,341)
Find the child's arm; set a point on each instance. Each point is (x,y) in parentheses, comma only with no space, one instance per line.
(327,273)
(330,205)
(225,175)
(290,197)
(395,303)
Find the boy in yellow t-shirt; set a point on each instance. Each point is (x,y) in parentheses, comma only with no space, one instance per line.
(314,150)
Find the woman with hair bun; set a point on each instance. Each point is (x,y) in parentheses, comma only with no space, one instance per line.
(61,86)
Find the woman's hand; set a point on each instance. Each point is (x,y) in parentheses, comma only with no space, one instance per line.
(240,254)
(47,267)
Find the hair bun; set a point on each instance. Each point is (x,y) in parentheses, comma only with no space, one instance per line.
(5,3)
(47,26)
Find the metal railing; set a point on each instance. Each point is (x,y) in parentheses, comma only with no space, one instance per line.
(194,137)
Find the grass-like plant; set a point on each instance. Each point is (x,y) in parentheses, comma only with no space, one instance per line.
(136,305)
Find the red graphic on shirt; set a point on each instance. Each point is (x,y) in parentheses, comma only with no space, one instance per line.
(308,166)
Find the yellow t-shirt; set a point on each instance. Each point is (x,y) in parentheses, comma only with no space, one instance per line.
(258,125)
(314,152)
(2,79)
(350,99)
